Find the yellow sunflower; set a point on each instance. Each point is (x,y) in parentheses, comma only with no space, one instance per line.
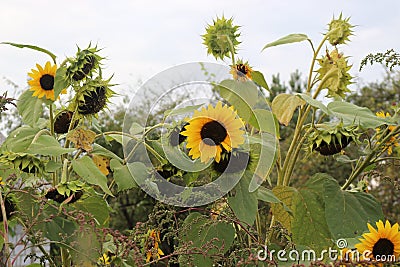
(393,139)
(211,130)
(381,243)
(42,82)
(153,250)
(241,71)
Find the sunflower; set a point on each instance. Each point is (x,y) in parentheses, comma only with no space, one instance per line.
(383,242)
(42,82)
(211,130)
(241,71)
(153,250)
(393,139)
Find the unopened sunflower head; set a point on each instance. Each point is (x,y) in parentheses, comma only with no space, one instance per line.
(24,162)
(339,30)
(331,139)
(241,71)
(84,64)
(394,140)
(92,97)
(333,74)
(221,38)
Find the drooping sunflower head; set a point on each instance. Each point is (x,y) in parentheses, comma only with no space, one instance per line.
(42,82)
(331,139)
(221,38)
(333,73)
(393,141)
(24,162)
(381,242)
(213,129)
(241,71)
(92,97)
(339,30)
(84,63)
(62,122)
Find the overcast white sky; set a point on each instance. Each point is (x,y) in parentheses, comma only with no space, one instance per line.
(142,38)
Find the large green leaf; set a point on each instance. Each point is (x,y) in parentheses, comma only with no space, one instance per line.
(309,226)
(267,195)
(284,106)
(315,103)
(347,213)
(351,113)
(291,38)
(244,204)
(19,139)
(33,47)
(57,229)
(89,172)
(100,150)
(30,108)
(209,237)
(241,95)
(96,206)
(122,176)
(47,145)
(264,120)
(265,146)
(60,81)
(286,194)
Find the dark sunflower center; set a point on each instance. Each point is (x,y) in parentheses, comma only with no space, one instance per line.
(242,68)
(383,247)
(213,133)
(47,82)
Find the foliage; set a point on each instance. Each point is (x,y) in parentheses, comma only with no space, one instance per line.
(70,188)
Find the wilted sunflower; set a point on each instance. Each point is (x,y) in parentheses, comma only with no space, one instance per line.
(393,140)
(241,71)
(92,97)
(42,82)
(211,130)
(381,242)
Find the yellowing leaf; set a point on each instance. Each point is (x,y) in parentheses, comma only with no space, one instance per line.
(82,138)
(102,163)
(284,105)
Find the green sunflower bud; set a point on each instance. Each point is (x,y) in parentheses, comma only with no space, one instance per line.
(334,74)
(221,38)
(339,31)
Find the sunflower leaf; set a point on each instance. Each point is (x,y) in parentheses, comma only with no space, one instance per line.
(284,106)
(33,47)
(244,204)
(347,213)
(291,38)
(30,108)
(259,79)
(89,172)
(60,82)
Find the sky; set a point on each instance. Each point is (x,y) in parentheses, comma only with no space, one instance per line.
(142,38)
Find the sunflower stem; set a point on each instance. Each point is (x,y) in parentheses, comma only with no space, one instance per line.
(368,159)
(5,226)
